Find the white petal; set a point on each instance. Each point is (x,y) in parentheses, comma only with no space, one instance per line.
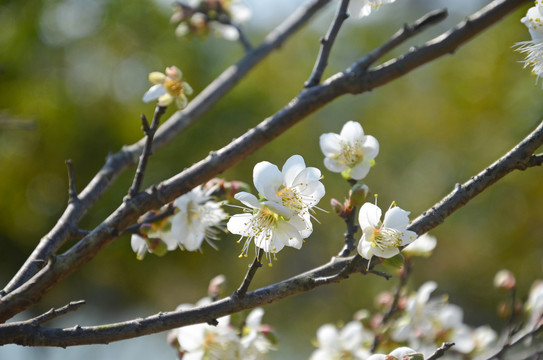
(400,352)
(154,93)
(385,253)
(192,240)
(408,237)
(293,166)
(351,132)
(365,249)
(227,32)
(327,336)
(288,235)
(370,147)
(334,165)
(279,209)
(330,144)
(396,218)
(139,245)
(240,12)
(425,290)
(254,318)
(248,199)
(238,224)
(267,179)
(369,216)
(360,170)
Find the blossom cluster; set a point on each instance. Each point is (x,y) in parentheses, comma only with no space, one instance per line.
(422,323)
(224,340)
(197,217)
(200,17)
(282,216)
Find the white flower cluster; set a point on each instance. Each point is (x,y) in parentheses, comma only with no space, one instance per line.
(224,341)
(197,218)
(361,8)
(423,324)
(282,216)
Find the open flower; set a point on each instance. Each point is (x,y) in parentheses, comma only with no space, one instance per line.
(296,186)
(401,353)
(270,225)
(168,87)
(361,8)
(534,48)
(350,152)
(197,219)
(383,239)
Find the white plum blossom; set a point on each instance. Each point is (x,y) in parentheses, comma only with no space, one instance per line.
(534,48)
(282,217)
(534,305)
(168,87)
(383,239)
(351,342)
(197,218)
(422,246)
(361,8)
(270,225)
(350,152)
(203,341)
(254,342)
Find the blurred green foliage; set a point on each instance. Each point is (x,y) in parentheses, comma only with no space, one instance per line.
(81,86)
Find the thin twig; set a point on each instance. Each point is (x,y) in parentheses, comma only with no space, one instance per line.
(518,340)
(326,44)
(149,219)
(54,313)
(440,351)
(147,150)
(352,228)
(72,189)
(242,290)
(128,156)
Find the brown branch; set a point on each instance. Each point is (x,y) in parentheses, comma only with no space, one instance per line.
(308,101)
(128,156)
(147,150)
(326,44)
(336,270)
(242,290)
(54,313)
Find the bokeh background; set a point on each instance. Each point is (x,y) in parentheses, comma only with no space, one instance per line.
(72,74)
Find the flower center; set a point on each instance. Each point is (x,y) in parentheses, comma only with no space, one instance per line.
(383,238)
(173,86)
(350,155)
(290,198)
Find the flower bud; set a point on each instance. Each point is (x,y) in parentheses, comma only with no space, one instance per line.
(504,279)
(358,194)
(337,207)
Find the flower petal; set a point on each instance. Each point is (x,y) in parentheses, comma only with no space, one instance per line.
(292,168)
(154,93)
(248,199)
(351,132)
(396,218)
(267,179)
(364,248)
(360,170)
(370,147)
(334,165)
(239,224)
(369,216)
(330,144)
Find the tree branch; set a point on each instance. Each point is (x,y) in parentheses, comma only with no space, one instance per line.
(336,270)
(128,156)
(307,102)
(441,351)
(326,44)
(242,290)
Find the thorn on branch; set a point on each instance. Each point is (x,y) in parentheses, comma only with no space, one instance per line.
(72,190)
(213,322)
